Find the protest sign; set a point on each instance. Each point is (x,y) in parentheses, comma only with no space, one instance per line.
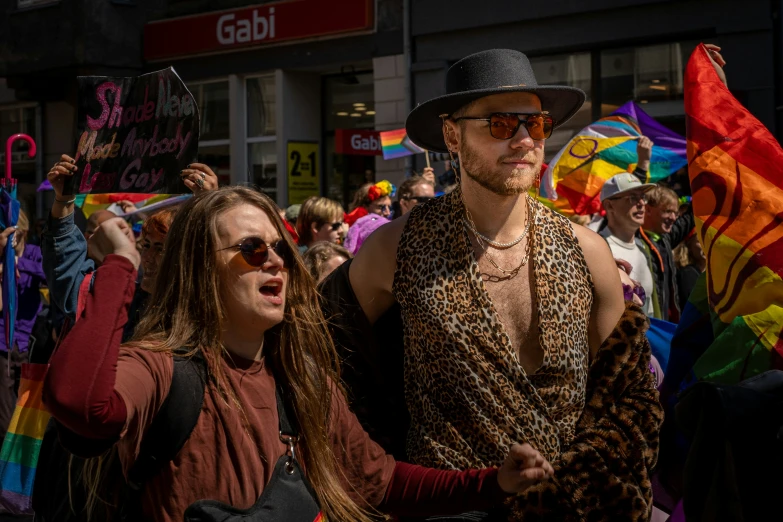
(134,134)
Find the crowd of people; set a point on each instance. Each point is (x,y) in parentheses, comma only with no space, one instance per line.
(408,357)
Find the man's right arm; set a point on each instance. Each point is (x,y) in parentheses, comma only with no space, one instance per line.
(372,271)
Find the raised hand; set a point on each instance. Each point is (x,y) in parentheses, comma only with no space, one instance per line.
(713,51)
(59,173)
(4,238)
(113,236)
(524,466)
(127,206)
(644,152)
(198,177)
(429,174)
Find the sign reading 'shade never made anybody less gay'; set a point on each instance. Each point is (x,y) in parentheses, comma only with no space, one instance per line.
(135,134)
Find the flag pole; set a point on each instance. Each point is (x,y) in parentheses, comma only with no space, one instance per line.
(427,157)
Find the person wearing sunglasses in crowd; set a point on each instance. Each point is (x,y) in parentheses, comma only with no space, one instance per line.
(238,299)
(624,198)
(319,219)
(66,259)
(371,199)
(513,318)
(413,191)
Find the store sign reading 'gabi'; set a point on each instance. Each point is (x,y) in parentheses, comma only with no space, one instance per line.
(285,21)
(231,30)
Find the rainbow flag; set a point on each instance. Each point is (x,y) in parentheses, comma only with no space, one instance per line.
(22,443)
(90,203)
(736,173)
(605,148)
(395,144)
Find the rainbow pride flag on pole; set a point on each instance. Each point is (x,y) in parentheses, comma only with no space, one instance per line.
(395,144)
(736,173)
(605,148)
(22,443)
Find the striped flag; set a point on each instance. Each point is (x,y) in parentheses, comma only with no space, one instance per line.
(22,443)
(605,148)
(736,173)
(396,144)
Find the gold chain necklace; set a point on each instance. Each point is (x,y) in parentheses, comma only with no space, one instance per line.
(528,231)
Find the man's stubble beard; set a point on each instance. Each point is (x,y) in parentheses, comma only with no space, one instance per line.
(518,182)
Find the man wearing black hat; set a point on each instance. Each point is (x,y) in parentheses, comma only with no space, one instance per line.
(514,323)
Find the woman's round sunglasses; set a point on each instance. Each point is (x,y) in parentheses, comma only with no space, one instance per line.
(255,251)
(504,125)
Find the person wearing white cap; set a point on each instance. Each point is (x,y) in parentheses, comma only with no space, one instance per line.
(624,198)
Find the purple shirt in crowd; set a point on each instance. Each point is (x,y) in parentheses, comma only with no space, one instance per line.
(31,277)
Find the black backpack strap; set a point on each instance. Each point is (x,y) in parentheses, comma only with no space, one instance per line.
(286,427)
(169,431)
(289,435)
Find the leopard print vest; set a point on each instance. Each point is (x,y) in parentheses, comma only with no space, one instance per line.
(468,396)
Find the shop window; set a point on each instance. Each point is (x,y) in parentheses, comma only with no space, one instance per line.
(14,120)
(261,147)
(651,75)
(572,70)
(348,103)
(262,159)
(213,105)
(212,98)
(261,106)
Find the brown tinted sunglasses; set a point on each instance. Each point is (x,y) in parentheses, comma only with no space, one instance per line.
(255,251)
(504,125)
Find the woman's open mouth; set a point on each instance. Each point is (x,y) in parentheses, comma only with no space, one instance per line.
(272,291)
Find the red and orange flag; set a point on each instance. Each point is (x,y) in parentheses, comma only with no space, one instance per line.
(736,171)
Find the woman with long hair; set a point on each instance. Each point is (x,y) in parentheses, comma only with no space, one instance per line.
(233,292)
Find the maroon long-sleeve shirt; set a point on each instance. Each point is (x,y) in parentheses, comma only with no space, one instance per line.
(100,390)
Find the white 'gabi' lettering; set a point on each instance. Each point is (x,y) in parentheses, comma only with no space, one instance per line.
(231,31)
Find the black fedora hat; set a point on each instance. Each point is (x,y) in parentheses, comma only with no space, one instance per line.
(483,74)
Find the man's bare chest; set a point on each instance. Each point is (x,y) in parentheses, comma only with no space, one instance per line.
(514,301)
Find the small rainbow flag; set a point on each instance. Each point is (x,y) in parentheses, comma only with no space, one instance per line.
(396,144)
(22,444)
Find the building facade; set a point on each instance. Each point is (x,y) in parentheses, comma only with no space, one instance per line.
(615,50)
(276,83)
(293,93)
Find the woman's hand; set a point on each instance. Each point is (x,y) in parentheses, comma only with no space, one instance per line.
(198,177)
(524,466)
(113,236)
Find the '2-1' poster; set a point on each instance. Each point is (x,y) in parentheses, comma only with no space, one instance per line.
(135,134)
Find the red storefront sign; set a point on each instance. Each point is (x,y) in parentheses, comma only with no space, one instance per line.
(357,142)
(255,25)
